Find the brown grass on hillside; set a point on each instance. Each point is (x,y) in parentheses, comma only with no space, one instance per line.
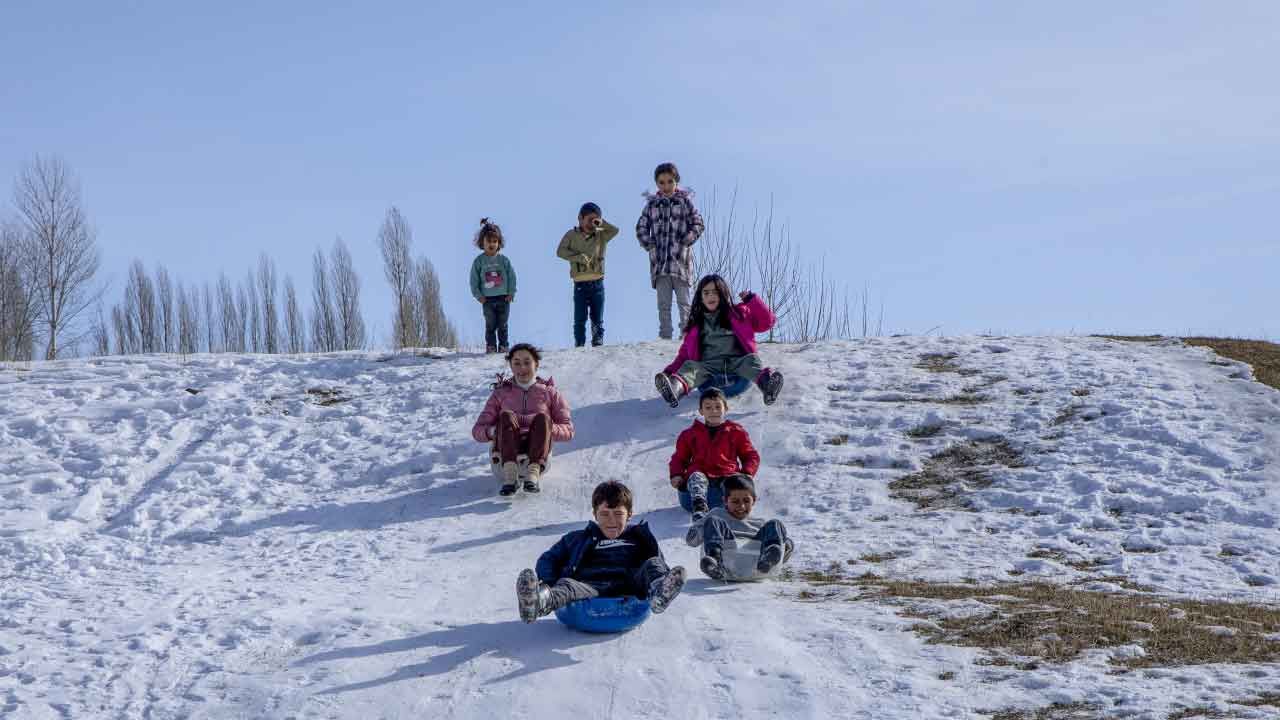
(1262,356)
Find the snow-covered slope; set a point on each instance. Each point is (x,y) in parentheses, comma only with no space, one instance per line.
(280,537)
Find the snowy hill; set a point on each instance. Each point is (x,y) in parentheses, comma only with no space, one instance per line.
(297,537)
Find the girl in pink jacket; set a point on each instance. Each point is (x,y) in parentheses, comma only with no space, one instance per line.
(720,338)
(523,416)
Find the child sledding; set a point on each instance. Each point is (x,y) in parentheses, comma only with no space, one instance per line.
(720,340)
(707,452)
(608,558)
(736,546)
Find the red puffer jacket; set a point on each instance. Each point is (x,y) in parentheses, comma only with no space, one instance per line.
(728,453)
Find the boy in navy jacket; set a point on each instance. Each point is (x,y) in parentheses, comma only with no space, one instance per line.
(605,559)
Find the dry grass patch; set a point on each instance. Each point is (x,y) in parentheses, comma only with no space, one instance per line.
(1262,356)
(1056,711)
(1269,699)
(326,396)
(1053,623)
(840,439)
(884,556)
(948,476)
(924,430)
(938,362)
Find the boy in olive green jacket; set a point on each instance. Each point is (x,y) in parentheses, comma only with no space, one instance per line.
(584,246)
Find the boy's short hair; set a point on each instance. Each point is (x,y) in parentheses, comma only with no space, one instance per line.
(739,482)
(589,209)
(713,394)
(613,494)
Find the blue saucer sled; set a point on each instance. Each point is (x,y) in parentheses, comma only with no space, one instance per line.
(604,614)
(731,385)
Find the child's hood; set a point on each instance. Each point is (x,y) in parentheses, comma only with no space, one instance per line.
(680,192)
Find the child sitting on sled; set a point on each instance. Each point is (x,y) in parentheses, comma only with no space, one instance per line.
(607,558)
(709,451)
(720,339)
(724,527)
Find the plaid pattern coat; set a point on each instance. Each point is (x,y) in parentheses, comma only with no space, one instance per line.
(667,229)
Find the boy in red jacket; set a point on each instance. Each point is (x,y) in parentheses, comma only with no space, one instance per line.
(709,451)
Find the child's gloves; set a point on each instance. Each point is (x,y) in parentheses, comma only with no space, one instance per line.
(675,481)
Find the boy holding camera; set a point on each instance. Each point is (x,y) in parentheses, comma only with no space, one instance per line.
(584,247)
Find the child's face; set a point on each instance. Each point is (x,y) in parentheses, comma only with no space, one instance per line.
(712,411)
(739,504)
(710,297)
(612,520)
(588,223)
(492,245)
(523,366)
(666,184)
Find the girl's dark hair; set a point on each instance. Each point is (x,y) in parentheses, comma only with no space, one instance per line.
(612,494)
(489,229)
(527,347)
(667,168)
(698,313)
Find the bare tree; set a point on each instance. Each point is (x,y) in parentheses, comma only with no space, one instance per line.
(125,331)
(437,329)
(188,320)
(324,322)
(168,313)
(778,271)
(295,332)
(253,312)
(346,299)
(63,257)
(140,305)
(232,322)
(724,250)
(270,313)
(17,301)
(395,238)
(99,336)
(211,320)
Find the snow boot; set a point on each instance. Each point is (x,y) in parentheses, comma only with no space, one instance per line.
(669,388)
(693,537)
(510,474)
(770,556)
(770,384)
(533,480)
(786,554)
(711,565)
(532,595)
(665,589)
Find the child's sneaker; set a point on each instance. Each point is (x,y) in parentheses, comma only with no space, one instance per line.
(665,589)
(786,554)
(533,597)
(693,536)
(510,474)
(670,391)
(489,349)
(770,556)
(503,349)
(771,385)
(532,482)
(700,508)
(712,566)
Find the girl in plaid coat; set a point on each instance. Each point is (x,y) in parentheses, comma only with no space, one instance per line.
(668,227)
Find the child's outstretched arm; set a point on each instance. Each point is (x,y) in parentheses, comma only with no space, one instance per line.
(759,315)
(748,458)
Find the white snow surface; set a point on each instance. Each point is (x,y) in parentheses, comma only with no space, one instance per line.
(248,552)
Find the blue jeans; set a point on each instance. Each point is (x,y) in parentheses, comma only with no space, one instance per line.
(496,312)
(712,489)
(588,299)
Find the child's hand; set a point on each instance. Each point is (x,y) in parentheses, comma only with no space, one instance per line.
(675,481)
(511,298)
(745,295)
(480,300)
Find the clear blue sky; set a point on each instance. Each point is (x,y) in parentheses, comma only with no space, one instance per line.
(1006,167)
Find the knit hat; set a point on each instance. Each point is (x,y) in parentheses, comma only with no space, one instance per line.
(590,209)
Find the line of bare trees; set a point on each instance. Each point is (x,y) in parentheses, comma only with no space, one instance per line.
(418,319)
(810,302)
(157,315)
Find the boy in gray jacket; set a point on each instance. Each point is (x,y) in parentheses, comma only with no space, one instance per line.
(732,523)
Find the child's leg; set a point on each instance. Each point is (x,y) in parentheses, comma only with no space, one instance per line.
(693,373)
(538,441)
(596,306)
(659,583)
(508,436)
(567,590)
(503,312)
(696,485)
(748,366)
(580,303)
(681,290)
(663,287)
(490,326)
(716,534)
(773,540)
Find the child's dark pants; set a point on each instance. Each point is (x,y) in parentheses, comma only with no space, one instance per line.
(496,312)
(567,590)
(588,299)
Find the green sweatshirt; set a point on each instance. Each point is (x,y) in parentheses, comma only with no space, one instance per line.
(585,251)
(492,276)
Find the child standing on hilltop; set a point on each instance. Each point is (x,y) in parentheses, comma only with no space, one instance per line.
(583,246)
(668,227)
(493,284)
